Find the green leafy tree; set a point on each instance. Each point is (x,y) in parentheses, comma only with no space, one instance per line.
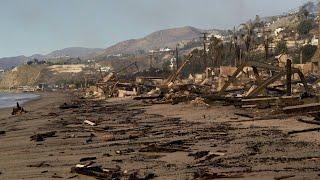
(258,22)
(166,66)
(281,47)
(305,27)
(308,52)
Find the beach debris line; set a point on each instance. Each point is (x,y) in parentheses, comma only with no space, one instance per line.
(135,176)
(244,115)
(87,159)
(41,164)
(89,122)
(18,110)
(42,136)
(97,171)
(55,175)
(208,174)
(199,154)
(172,146)
(69,106)
(284,177)
(90,138)
(303,131)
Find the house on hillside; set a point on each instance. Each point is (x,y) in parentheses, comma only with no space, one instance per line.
(165,49)
(105,69)
(1,71)
(278,31)
(314,41)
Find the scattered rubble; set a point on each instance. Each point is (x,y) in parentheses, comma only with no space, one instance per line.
(251,85)
(87,159)
(259,91)
(135,176)
(173,146)
(199,154)
(207,174)
(43,136)
(69,106)
(304,130)
(41,164)
(97,171)
(89,122)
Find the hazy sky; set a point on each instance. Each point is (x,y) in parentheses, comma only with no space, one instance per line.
(41,26)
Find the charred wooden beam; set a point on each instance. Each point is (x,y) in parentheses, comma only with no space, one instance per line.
(304,109)
(231,79)
(303,131)
(265,83)
(271,101)
(289,75)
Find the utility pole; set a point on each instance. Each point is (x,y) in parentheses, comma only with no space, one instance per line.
(266,42)
(240,59)
(301,58)
(177,57)
(289,74)
(151,59)
(204,37)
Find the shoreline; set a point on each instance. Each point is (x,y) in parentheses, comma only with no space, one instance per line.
(5,112)
(38,96)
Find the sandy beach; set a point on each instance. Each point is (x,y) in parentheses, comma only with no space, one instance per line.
(169,141)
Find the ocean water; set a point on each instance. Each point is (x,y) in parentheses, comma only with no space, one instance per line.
(11,99)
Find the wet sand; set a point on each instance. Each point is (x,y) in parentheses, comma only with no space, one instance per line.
(159,139)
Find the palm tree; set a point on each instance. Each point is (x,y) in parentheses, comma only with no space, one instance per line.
(216,51)
(249,35)
(236,45)
(266,41)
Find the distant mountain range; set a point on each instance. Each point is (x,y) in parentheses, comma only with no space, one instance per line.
(159,39)
(9,62)
(72,52)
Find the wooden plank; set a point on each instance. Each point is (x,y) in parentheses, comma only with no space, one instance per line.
(293,100)
(303,131)
(305,108)
(309,121)
(265,83)
(244,115)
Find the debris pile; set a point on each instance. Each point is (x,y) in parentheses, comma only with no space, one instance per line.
(250,85)
(42,136)
(97,171)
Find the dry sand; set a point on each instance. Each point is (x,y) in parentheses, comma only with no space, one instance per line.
(157,139)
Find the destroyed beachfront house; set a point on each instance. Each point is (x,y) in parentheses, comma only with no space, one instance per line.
(251,79)
(267,78)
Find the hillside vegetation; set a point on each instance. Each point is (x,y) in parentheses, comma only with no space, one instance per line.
(23,75)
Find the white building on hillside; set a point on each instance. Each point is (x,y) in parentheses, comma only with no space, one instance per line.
(165,50)
(314,41)
(278,31)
